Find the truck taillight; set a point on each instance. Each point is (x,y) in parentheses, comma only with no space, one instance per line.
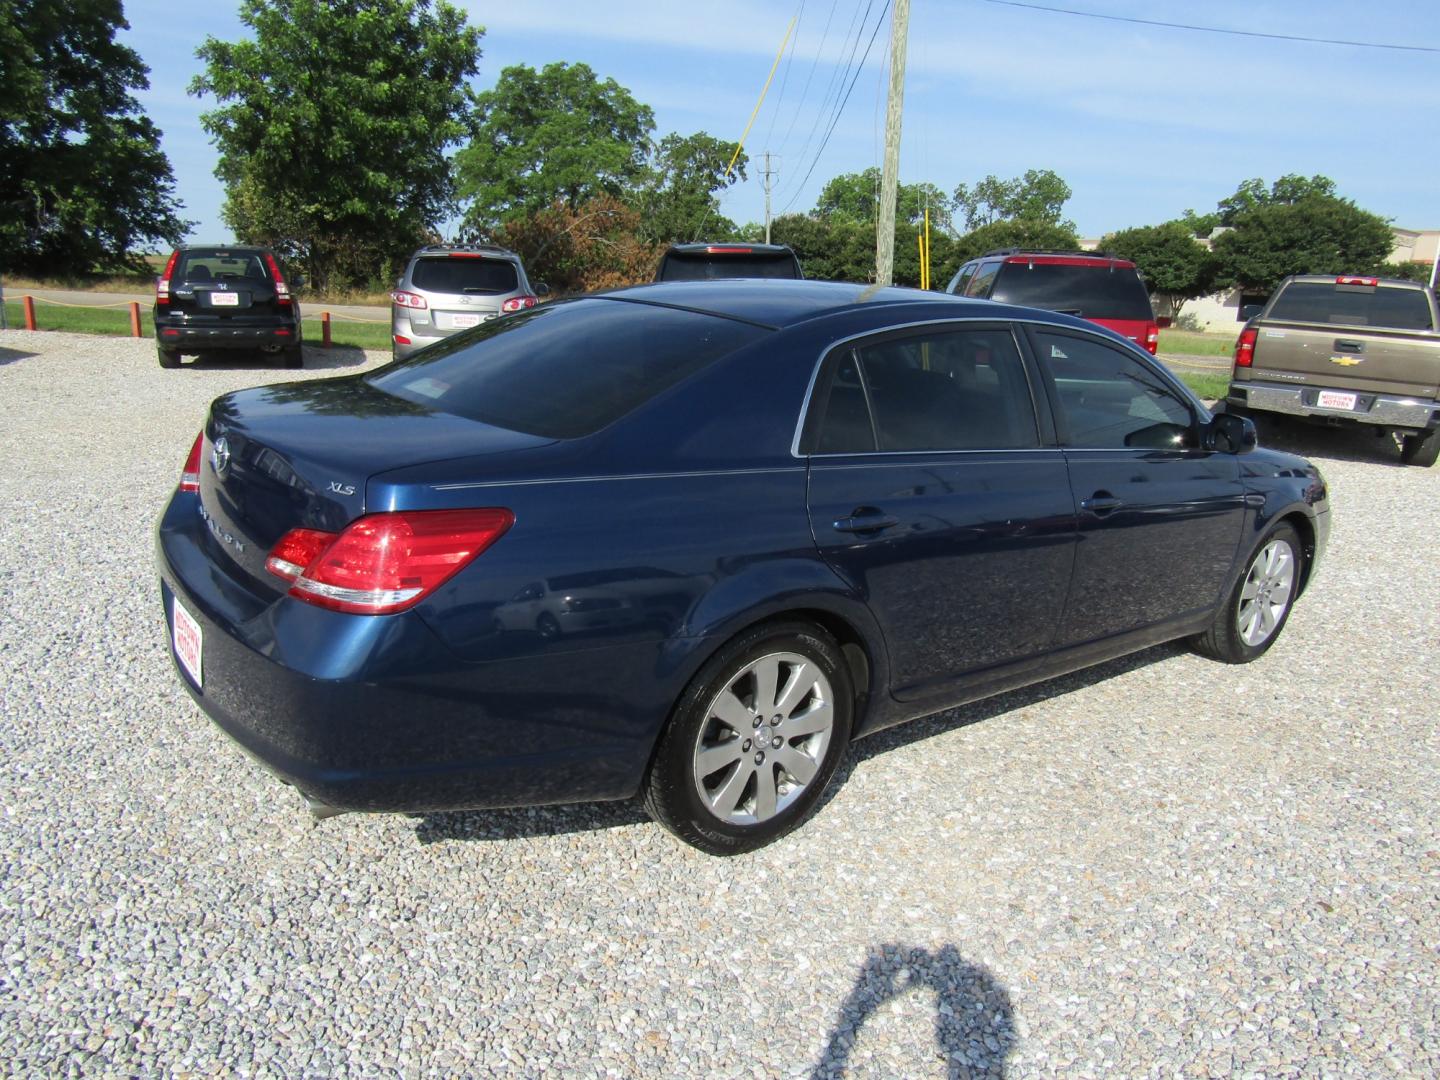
(384,563)
(282,291)
(408,300)
(1357,280)
(162,283)
(190,475)
(1152,338)
(518,303)
(1245,347)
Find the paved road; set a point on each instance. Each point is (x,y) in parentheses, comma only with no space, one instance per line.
(109,299)
(1160,867)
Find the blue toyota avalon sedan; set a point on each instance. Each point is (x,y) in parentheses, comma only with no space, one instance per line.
(690,540)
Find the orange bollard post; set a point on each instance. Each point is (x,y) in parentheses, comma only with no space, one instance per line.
(29,302)
(325,328)
(134,319)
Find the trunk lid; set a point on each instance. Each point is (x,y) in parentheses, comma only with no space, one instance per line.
(298,455)
(222,285)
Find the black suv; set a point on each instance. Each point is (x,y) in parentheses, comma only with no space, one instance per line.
(213,298)
(701,262)
(1090,284)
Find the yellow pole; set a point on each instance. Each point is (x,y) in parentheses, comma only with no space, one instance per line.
(763,91)
(927,245)
(920,244)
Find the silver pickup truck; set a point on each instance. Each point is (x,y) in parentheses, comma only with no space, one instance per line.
(1346,350)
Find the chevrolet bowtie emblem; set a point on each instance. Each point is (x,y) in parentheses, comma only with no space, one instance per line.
(1346,361)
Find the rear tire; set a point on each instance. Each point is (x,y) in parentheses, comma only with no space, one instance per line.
(293,357)
(168,358)
(754,740)
(1420,450)
(1252,616)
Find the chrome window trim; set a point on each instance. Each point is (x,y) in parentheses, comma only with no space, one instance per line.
(1124,344)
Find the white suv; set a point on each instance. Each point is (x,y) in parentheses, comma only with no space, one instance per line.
(450,287)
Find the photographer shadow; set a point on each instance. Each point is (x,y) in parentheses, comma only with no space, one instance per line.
(973,1024)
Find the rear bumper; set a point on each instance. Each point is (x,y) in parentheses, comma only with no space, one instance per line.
(198,338)
(375,713)
(1376,409)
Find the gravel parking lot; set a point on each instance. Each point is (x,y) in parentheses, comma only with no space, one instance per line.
(1158,867)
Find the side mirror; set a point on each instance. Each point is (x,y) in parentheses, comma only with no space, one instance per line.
(541,289)
(1249,311)
(1231,434)
(1164,322)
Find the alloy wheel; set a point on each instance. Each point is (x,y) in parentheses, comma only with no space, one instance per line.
(1266,595)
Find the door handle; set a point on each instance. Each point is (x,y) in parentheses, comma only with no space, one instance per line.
(862,522)
(1101,503)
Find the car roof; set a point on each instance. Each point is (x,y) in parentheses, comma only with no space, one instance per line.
(480,249)
(730,247)
(777,303)
(1356,279)
(222,247)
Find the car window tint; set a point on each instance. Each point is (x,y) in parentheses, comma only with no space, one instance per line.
(844,414)
(1091,292)
(565,369)
(1355,305)
(962,280)
(218,265)
(1108,399)
(956,390)
(683,267)
(457,274)
(983,279)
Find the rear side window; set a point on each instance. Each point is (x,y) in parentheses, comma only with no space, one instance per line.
(678,267)
(1352,305)
(1090,292)
(565,369)
(984,278)
(464,274)
(220,265)
(947,390)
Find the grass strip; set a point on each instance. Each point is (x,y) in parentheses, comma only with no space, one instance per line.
(1187,343)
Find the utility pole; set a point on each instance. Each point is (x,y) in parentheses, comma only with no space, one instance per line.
(890,173)
(769,172)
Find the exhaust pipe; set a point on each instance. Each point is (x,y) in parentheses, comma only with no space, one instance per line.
(319,811)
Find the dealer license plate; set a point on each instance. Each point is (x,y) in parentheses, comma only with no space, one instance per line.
(224,299)
(186,636)
(1333,399)
(462,321)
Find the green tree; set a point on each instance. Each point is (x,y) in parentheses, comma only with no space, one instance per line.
(1024,233)
(856,196)
(676,196)
(1176,266)
(554,134)
(83,182)
(1288,190)
(333,126)
(1039,195)
(1319,234)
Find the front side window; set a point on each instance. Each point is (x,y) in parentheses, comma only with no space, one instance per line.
(1108,400)
(941,390)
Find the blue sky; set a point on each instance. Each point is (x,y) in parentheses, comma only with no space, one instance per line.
(1142,122)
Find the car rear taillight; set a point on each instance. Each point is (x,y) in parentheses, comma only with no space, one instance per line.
(384,563)
(518,303)
(190,475)
(1245,347)
(408,300)
(162,283)
(282,291)
(1152,338)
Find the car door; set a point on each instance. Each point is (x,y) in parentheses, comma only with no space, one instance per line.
(1160,518)
(931,493)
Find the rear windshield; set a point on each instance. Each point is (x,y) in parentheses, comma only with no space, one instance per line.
(678,267)
(462,274)
(564,369)
(1091,292)
(1352,305)
(220,265)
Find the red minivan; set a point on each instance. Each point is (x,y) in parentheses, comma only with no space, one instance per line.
(1091,285)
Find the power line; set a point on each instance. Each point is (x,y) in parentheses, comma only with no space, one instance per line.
(1215,29)
(804,93)
(838,75)
(785,78)
(841,109)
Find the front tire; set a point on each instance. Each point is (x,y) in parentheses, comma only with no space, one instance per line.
(1259,605)
(754,740)
(1421,449)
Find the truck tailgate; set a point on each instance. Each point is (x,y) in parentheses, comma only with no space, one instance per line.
(1391,362)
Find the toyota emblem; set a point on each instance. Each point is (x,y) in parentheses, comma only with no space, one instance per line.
(220,456)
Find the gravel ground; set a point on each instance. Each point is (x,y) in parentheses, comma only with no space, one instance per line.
(1158,867)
